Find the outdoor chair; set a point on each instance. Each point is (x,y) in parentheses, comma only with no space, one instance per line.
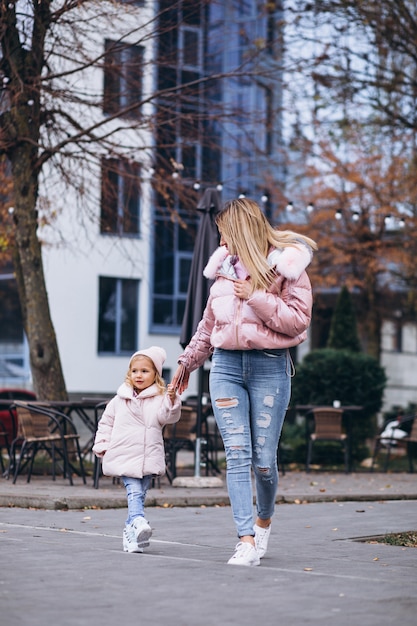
(392,443)
(98,412)
(328,427)
(180,436)
(44,428)
(4,443)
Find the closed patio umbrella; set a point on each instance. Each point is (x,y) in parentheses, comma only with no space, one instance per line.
(206,242)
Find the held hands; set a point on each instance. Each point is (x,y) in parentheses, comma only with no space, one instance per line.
(243,289)
(171,393)
(180,379)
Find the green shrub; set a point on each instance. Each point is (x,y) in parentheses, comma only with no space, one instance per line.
(353,378)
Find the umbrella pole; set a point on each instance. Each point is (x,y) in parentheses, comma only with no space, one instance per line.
(197,466)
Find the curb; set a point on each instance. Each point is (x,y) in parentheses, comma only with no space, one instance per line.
(188,500)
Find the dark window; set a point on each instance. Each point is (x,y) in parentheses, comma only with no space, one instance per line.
(118,315)
(174,246)
(191,47)
(122,79)
(11,323)
(120,197)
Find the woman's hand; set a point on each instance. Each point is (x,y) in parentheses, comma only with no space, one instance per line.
(243,289)
(180,379)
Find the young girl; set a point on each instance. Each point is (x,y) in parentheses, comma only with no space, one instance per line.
(129,437)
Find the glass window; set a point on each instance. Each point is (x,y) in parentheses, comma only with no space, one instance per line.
(190,44)
(120,197)
(118,315)
(122,79)
(174,246)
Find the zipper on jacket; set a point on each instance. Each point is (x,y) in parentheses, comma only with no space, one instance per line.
(239,313)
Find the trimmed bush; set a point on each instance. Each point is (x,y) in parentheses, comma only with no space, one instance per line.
(354,378)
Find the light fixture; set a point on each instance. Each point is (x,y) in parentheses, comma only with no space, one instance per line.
(401,222)
(241,195)
(196,185)
(175,174)
(310,207)
(219,186)
(264,198)
(338,214)
(355,216)
(289,206)
(388,220)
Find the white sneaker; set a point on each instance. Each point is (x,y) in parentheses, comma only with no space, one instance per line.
(142,531)
(261,539)
(245,554)
(129,540)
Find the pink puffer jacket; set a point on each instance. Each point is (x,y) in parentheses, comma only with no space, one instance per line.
(129,434)
(277,318)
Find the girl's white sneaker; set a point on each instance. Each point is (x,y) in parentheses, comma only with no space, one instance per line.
(129,540)
(142,531)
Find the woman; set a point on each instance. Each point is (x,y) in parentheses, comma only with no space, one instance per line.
(259,306)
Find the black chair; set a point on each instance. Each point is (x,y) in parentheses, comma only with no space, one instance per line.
(180,436)
(98,412)
(4,443)
(43,428)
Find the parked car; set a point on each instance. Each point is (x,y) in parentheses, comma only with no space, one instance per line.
(7,424)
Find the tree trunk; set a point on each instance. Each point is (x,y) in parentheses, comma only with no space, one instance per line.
(371,319)
(48,379)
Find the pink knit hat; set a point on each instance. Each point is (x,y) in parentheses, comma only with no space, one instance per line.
(156,354)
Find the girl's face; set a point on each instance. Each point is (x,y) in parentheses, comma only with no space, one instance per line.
(142,373)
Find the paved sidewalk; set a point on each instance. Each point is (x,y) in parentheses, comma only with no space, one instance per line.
(294,487)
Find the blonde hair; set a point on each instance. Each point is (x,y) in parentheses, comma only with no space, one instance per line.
(249,236)
(159,381)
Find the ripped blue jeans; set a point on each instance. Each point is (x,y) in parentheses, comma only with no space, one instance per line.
(250,391)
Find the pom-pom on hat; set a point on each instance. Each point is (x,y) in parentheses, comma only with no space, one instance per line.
(155,353)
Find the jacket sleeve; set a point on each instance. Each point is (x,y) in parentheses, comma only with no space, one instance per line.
(199,348)
(169,413)
(288,313)
(104,429)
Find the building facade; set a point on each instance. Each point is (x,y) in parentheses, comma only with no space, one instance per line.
(117,265)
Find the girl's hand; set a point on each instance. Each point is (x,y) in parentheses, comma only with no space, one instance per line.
(180,380)
(171,393)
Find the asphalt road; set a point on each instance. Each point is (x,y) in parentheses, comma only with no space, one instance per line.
(68,568)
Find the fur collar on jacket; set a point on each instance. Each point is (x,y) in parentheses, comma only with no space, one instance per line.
(290,262)
(125,391)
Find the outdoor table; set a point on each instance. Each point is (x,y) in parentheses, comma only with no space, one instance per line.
(83,409)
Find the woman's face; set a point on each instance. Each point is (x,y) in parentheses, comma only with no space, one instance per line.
(223,241)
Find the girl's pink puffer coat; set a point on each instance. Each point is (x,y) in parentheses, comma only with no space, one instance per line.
(129,434)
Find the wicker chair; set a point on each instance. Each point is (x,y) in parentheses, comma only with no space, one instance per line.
(328,427)
(43,428)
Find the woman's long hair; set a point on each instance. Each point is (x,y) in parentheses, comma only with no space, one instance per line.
(250,236)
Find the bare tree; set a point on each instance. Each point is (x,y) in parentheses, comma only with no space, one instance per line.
(58,120)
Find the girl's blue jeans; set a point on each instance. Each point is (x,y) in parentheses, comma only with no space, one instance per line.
(136,490)
(250,391)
